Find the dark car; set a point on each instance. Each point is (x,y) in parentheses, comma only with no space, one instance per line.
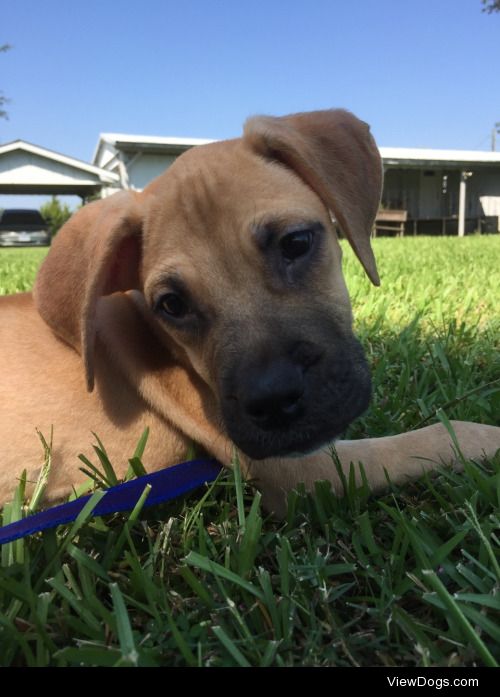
(21,227)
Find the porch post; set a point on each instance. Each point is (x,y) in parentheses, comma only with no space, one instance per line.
(461,204)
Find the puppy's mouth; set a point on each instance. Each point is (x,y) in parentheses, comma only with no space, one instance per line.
(287,409)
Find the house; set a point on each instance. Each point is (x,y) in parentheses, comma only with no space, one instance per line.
(30,169)
(426,191)
(443,191)
(136,160)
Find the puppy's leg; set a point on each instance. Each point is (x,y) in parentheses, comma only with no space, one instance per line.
(401,458)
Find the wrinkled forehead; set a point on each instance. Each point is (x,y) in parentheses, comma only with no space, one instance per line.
(214,186)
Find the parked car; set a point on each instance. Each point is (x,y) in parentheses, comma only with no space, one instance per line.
(21,227)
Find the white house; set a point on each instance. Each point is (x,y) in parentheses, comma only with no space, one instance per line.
(30,169)
(435,191)
(136,160)
(425,191)
(443,190)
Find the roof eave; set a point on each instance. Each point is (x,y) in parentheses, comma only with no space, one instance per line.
(56,157)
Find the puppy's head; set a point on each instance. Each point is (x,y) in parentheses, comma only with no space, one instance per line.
(238,261)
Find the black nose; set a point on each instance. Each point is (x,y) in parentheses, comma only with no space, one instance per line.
(272,397)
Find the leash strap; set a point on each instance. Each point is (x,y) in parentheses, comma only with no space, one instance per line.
(166,484)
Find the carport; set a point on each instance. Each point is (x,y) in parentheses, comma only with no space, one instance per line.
(30,169)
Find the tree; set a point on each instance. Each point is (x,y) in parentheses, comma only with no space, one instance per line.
(3,100)
(56,214)
(491,6)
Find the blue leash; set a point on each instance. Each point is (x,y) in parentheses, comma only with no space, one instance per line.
(165,485)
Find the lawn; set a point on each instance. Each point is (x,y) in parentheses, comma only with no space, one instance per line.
(410,578)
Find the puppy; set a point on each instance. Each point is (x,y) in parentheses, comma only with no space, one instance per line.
(212,308)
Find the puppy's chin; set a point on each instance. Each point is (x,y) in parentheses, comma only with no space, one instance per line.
(263,451)
(261,445)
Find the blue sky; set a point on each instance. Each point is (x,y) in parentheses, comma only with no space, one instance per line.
(423,73)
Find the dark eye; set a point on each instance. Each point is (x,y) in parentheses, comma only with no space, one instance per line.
(296,244)
(173,305)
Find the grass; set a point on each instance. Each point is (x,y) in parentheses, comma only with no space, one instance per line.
(18,268)
(411,578)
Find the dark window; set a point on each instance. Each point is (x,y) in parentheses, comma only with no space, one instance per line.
(16,217)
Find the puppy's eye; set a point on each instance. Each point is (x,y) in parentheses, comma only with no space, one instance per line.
(296,244)
(173,305)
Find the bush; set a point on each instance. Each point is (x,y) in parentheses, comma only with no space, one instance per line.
(56,214)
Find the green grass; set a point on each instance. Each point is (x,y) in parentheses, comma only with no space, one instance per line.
(408,578)
(18,268)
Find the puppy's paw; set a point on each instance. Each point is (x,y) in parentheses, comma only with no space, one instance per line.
(476,441)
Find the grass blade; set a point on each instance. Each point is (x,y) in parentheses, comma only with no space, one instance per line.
(230,647)
(456,613)
(123,627)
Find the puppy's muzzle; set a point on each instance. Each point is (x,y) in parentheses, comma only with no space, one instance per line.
(294,400)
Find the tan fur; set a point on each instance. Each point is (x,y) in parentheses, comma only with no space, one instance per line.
(87,353)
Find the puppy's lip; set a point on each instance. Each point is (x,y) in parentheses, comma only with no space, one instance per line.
(263,451)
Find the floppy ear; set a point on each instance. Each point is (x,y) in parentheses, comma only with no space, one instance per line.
(95,253)
(335,154)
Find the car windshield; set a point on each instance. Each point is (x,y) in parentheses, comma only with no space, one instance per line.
(21,217)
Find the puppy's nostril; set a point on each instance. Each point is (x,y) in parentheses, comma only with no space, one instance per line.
(257,408)
(291,405)
(257,412)
(274,408)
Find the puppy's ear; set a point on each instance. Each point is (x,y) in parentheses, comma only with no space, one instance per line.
(95,253)
(335,154)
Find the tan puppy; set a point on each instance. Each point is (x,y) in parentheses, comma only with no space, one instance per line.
(212,308)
